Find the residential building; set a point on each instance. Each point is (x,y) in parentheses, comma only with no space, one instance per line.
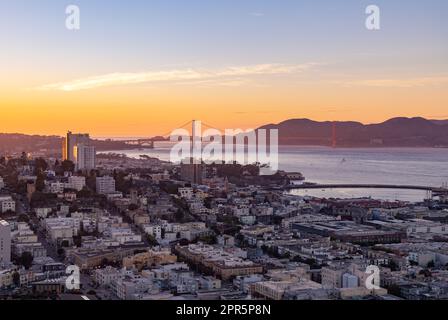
(60,229)
(5,243)
(7,204)
(105,185)
(6,278)
(70,142)
(150,258)
(186,193)
(105,276)
(76,182)
(275,290)
(85,157)
(223,263)
(91,258)
(349,281)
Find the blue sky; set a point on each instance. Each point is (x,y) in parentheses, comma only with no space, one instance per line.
(141,34)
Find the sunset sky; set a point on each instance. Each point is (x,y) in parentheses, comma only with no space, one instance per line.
(143,67)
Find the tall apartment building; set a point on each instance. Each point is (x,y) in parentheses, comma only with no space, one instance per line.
(85,157)
(5,242)
(2,183)
(70,142)
(105,185)
(77,148)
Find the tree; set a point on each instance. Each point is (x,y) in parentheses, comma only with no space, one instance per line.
(179,215)
(169,187)
(394,266)
(23,218)
(121,183)
(210,239)
(311,261)
(208,202)
(426,273)
(77,240)
(16,279)
(183,242)
(65,244)
(91,181)
(39,198)
(26,260)
(84,193)
(40,181)
(151,240)
(23,159)
(73,208)
(68,166)
(105,262)
(61,252)
(40,165)
(394,290)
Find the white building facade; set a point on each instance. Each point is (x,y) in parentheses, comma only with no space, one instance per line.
(5,243)
(105,185)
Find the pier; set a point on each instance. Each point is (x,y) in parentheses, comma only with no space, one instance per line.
(433,191)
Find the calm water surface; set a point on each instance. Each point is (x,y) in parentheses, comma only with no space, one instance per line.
(410,166)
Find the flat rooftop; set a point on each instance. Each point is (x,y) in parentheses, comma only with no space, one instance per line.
(4,223)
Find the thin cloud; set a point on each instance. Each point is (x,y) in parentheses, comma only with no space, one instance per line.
(181,75)
(257,14)
(208,83)
(400,83)
(256,112)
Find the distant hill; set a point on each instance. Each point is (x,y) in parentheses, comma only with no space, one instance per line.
(16,142)
(396,132)
(440,122)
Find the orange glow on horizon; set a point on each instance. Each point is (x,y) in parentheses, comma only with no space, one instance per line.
(145,110)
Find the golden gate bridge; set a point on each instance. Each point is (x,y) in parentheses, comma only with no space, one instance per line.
(149,142)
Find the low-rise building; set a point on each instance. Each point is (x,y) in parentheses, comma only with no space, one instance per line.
(91,258)
(275,290)
(221,263)
(105,185)
(105,276)
(7,204)
(151,258)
